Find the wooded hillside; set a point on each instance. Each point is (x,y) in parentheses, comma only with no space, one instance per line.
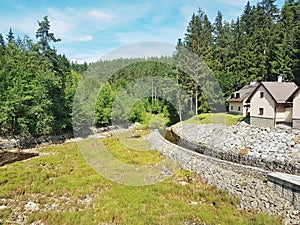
(38,85)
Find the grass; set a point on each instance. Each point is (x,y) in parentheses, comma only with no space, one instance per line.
(216,118)
(63,179)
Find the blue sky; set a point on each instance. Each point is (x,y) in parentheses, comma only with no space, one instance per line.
(90,29)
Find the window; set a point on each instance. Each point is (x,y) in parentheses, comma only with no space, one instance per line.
(232,95)
(231,108)
(261,94)
(239,108)
(237,95)
(261,111)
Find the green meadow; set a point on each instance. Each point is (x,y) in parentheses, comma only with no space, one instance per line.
(68,191)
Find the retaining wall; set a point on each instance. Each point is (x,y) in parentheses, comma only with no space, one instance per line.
(249,160)
(246,182)
(263,122)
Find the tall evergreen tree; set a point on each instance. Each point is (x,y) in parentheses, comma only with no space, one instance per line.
(10,36)
(44,35)
(221,53)
(2,46)
(288,48)
(199,37)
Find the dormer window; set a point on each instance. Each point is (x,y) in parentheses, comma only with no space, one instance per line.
(261,94)
(237,95)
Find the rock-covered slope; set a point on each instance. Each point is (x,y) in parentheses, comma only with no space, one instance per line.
(276,149)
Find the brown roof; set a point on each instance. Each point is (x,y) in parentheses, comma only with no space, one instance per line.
(244,92)
(291,98)
(279,91)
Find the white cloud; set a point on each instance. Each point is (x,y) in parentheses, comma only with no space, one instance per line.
(25,27)
(98,14)
(61,23)
(85,38)
(72,25)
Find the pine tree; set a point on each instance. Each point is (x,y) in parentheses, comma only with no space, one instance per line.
(235,64)
(44,34)
(223,38)
(247,54)
(289,46)
(2,46)
(10,36)
(266,16)
(199,38)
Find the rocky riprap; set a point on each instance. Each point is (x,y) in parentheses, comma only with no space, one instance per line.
(275,149)
(245,182)
(42,203)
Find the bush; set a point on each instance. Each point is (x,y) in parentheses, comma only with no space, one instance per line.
(157,123)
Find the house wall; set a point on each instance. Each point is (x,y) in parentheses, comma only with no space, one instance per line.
(296,111)
(284,114)
(296,123)
(261,122)
(289,114)
(235,106)
(268,105)
(280,113)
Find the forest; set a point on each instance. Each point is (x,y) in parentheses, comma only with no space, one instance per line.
(38,85)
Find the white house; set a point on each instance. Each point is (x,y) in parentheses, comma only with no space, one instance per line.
(237,101)
(295,99)
(269,103)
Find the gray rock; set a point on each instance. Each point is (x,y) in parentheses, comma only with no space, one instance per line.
(31,206)
(3,207)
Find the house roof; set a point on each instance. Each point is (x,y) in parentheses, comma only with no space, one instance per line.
(291,98)
(279,91)
(244,92)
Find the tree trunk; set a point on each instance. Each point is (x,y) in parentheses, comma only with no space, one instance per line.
(196,102)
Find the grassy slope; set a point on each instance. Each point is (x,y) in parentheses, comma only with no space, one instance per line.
(217,118)
(64,178)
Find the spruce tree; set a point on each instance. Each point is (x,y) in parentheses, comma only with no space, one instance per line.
(44,35)
(10,36)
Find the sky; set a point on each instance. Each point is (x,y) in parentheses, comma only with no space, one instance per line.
(100,29)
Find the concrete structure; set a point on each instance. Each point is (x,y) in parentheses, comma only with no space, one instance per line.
(237,101)
(269,103)
(287,185)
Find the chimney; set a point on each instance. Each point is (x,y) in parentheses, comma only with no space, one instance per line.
(252,83)
(280,78)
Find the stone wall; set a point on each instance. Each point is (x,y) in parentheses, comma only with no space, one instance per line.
(288,187)
(274,149)
(263,122)
(296,123)
(245,182)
